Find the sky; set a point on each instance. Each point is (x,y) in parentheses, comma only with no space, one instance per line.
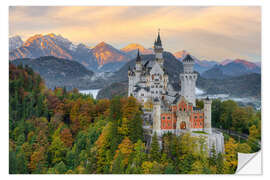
(207,32)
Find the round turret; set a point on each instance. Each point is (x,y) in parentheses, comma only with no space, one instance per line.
(188,63)
(207,115)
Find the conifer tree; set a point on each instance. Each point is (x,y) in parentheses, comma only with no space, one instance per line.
(136,128)
(154,151)
(213,156)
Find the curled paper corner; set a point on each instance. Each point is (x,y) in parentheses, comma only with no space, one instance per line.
(249,163)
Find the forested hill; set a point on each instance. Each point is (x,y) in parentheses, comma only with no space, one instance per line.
(248,85)
(59,72)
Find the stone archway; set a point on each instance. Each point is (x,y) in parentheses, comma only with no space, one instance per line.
(183,125)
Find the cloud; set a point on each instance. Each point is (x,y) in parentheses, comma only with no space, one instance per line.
(207,32)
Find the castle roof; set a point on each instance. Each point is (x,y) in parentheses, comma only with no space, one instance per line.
(158,41)
(138,88)
(188,58)
(156,100)
(138,59)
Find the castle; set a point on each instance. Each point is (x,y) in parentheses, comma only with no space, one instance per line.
(172,111)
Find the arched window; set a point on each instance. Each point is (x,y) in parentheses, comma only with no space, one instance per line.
(183,125)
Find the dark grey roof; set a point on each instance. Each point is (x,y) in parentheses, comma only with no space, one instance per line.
(138,88)
(145,65)
(156,100)
(188,58)
(176,99)
(158,42)
(139,59)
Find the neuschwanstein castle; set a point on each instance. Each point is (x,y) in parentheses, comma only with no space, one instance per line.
(172,111)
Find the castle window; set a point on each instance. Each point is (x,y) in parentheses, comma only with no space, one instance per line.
(169,117)
(142,94)
(195,124)
(201,117)
(184,109)
(163,117)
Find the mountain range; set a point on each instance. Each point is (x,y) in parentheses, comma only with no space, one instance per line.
(15,42)
(104,57)
(233,68)
(101,58)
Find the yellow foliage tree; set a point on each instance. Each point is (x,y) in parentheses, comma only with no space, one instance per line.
(126,148)
(230,156)
(147,167)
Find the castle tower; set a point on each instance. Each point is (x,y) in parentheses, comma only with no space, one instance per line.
(188,80)
(138,68)
(158,50)
(130,81)
(156,116)
(207,115)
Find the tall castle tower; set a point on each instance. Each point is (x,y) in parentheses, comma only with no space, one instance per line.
(156,116)
(134,76)
(131,79)
(138,66)
(158,50)
(188,80)
(207,115)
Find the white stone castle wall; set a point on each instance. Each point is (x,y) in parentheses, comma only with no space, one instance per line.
(188,84)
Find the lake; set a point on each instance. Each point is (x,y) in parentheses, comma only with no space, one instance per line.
(94,92)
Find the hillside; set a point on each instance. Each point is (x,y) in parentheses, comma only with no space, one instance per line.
(60,72)
(234,68)
(241,86)
(115,89)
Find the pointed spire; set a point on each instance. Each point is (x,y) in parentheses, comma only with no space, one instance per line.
(138,56)
(158,42)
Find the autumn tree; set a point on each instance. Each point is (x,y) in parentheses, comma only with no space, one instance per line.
(66,137)
(230,156)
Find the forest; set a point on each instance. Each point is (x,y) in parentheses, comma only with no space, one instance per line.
(64,132)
